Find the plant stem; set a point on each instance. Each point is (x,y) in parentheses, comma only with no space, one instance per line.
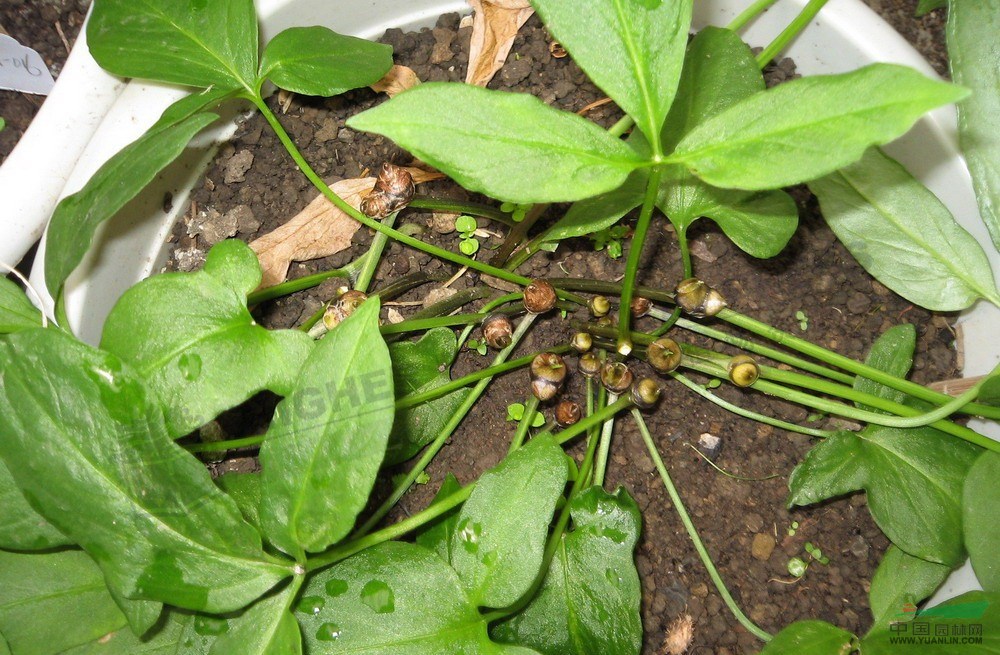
(219,446)
(682,512)
(624,124)
(460,207)
(685,248)
(347,208)
(419,324)
(432,449)
(749,14)
(746,413)
(374,255)
(344,550)
(789,33)
(517,234)
(530,407)
(848,364)
(601,465)
(632,263)
(597,418)
(291,286)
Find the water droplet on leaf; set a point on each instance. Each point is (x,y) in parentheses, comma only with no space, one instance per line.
(328,632)
(190,366)
(378,596)
(336,587)
(310,605)
(210,625)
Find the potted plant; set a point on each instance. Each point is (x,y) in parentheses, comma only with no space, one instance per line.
(273,562)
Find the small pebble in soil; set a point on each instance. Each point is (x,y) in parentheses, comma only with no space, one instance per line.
(762,546)
(709,445)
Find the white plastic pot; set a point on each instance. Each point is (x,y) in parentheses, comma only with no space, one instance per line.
(91,115)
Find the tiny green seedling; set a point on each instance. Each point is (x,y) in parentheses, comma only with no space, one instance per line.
(466,227)
(515,412)
(477,346)
(517,212)
(793,528)
(803,320)
(610,239)
(797,567)
(816,553)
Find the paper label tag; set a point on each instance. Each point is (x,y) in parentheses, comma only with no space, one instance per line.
(22,69)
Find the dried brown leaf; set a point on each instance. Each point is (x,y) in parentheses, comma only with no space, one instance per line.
(319,230)
(494,25)
(398,79)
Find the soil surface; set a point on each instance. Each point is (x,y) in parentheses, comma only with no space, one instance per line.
(253,187)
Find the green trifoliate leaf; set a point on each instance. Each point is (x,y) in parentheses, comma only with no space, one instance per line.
(970,622)
(893,354)
(972,55)
(121,178)
(317,61)
(498,542)
(21,527)
(16,311)
(900,582)
(192,339)
(79,425)
(192,42)
(636,59)
(50,602)
(979,513)
(510,146)
(420,366)
(806,128)
(394,598)
(265,628)
(813,637)
(589,602)
(903,235)
(913,478)
(328,437)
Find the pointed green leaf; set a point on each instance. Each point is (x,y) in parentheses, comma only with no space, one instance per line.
(192,339)
(16,311)
(50,602)
(395,598)
(436,535)
(903,235)
(121,178)
(636,59)
(498,544)
(180,633)
(600,212)
(244,489)
(972,55)
(973,619)
(806,128)
(893,354)
(760,223)
(78,425)
(265,628)
(589,602)
(141,615)
(913,478)
(719,71)
(21,527)
(979,512)
(497,143)
(813,637)
(317,61)
(902,580)
(200,43)
(420,366)
(328,438)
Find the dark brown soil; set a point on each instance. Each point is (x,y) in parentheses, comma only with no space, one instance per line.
(846,310)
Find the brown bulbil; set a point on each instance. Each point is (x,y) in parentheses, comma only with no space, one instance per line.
(616,377)
(645,393)
(539,297)
(640,306)
(497,331)
(589,365)
(743,370)
(698,299)
(664,354)
(393,191)
(568,413)
(342,307)
(548,372)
